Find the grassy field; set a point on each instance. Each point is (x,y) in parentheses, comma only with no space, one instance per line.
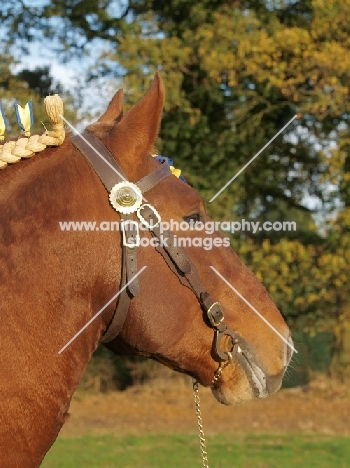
(170,451)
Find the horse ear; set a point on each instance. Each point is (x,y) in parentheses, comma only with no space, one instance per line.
(114,111)
(139,128)
(112,115)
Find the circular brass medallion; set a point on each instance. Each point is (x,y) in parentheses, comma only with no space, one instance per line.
(125,197)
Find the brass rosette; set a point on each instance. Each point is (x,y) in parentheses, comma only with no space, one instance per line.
(125,197)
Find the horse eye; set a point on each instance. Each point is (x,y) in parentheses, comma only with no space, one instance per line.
(193,218)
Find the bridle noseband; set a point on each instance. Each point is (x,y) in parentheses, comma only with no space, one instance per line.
(176,257)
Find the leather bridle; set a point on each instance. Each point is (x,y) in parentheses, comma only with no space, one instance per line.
(175,256)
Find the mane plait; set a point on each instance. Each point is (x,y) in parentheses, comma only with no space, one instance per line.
(25,147)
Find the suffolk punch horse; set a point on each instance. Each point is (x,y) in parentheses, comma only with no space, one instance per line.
(177,310)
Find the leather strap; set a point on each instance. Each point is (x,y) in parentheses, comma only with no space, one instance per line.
(108,169)
(130,255)
(166,239)
(153,178)
(121,310)
(102,161)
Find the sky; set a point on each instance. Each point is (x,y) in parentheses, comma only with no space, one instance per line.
(36,3)
(95,96)
(65,74)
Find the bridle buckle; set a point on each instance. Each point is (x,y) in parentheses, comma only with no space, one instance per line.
(154,212)
(130,241)
(215,314)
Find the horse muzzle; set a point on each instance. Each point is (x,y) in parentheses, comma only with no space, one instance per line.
(255,381)
(263,383)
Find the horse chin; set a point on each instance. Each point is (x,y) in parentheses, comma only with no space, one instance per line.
(246,382)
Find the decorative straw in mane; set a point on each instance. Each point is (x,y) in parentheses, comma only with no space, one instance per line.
(53,281)
(12,151)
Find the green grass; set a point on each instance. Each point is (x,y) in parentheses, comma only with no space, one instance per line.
(170,451)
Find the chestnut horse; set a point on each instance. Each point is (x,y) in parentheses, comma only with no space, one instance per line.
(53,282)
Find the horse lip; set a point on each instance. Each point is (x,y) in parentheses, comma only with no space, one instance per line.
(255,375)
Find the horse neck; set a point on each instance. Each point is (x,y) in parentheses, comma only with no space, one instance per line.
(53,282)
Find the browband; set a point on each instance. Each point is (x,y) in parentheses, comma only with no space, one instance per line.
(107,168)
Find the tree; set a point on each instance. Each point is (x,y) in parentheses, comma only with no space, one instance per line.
(25,85)
(40,81)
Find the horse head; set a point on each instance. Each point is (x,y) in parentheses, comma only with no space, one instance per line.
(166,320)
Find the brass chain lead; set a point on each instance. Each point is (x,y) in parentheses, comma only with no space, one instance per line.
(222,366)
(200,424)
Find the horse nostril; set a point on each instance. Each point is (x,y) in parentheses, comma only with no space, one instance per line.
(273,384)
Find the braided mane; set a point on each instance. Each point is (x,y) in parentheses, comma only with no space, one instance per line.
(25,147)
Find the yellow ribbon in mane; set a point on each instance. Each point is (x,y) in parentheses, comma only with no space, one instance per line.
(174,171)
(24,117)
(2,123)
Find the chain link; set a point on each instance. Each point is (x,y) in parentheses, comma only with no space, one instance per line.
(222,366)
(200,424)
